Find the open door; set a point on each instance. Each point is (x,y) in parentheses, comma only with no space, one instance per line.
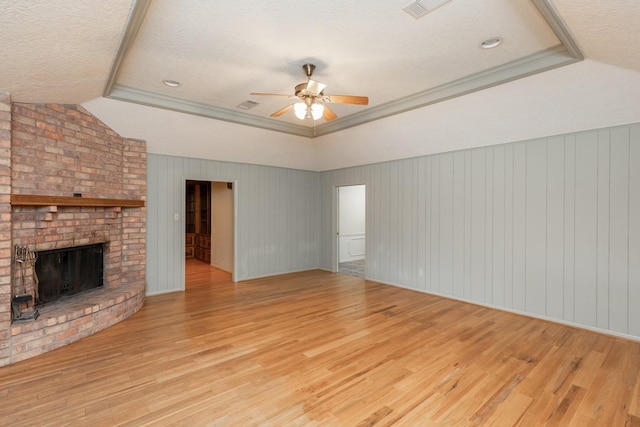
(351,230)
(209,231)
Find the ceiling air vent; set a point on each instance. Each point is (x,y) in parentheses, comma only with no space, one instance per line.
(420,8)
(248,104)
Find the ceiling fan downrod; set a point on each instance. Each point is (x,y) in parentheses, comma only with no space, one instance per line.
(308,69)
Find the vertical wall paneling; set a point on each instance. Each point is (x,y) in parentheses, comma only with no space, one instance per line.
(176,200)
(586,223)
(394,227)
(373,213)
(278,218)
(602,236)
(536,227)
(421,222)
(618,262)
(569,227)
(508,226)
(434,214)
(383,245)
(555,195)
(415,219)
(549,227)
(427,228)
(467,223)
(497,225)
(457,224)
(408,223)
(633,303)
(152,217)
(164,248)
(488,226)
(519,224)
(478,223)
(445,215)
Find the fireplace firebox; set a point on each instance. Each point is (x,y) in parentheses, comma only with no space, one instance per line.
(68,271)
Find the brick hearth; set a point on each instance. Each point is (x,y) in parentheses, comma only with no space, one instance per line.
(59,150)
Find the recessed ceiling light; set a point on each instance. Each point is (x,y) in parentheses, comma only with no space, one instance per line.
(171,83)
(491,43)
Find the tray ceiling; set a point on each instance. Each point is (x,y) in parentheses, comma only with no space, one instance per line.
(221,52)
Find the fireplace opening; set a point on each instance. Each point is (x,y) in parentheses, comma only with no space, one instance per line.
(68,271)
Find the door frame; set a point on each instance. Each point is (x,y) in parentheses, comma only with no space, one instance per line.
(335,224)
(183,211)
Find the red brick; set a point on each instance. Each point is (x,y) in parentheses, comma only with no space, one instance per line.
(58,150)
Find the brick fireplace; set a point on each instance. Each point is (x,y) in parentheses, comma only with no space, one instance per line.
(68,180)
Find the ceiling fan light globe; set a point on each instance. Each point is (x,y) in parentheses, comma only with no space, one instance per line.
(316,111)
(300,110)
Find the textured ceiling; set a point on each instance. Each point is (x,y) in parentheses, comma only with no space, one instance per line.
(59,51)
(71,52)
(606,31)
(220,52)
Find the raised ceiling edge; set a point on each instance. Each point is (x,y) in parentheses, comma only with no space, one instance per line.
(134,22)
(564,54)
(557,25)
(533,64)
(138,96)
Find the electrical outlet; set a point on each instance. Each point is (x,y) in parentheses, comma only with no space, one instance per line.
(420,272)
(176,217)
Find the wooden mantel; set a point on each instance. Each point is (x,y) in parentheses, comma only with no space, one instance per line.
(41,200)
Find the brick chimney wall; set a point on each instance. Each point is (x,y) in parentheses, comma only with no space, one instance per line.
(59,150)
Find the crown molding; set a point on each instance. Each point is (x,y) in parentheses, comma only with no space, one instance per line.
(138,96)
(567,52)
(537,63)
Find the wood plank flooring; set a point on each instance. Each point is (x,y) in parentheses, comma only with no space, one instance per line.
(324,349)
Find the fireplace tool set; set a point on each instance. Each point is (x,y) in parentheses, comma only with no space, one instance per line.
(23,303)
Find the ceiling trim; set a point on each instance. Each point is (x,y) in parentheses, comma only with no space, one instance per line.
(533,64)
(556,23)
(138,96)
(567,52)
(136,17)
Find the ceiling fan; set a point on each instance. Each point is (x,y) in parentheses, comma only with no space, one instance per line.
(312,100)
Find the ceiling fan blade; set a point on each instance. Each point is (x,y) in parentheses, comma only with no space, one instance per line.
(282,111)
(269,94)
(328,114)
(349,99)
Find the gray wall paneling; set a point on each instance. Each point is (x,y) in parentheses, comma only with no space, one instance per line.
(548,227)
(617,261)
(278,218)
(554,234)
(569,228)
(633,303)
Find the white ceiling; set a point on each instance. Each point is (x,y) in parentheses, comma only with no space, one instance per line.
(66,51)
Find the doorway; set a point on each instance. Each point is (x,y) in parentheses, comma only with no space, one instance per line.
(209,230)
(351,230)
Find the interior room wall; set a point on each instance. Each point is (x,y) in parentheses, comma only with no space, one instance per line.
(582,96)
(548,227)
(278,218)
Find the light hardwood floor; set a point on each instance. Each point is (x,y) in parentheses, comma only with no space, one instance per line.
(317,348)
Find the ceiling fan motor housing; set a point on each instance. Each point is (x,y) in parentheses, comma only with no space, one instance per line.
(312,99)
